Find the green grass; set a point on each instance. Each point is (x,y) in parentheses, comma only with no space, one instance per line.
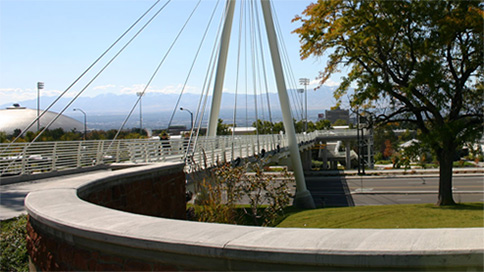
(391,216)
(13,245)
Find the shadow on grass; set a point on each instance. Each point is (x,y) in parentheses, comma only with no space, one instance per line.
(462,206)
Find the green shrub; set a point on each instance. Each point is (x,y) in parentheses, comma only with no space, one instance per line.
(462,163)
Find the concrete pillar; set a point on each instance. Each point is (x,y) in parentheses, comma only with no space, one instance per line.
(334,165)
(220,74)
(306,159)
(348,155)
(303,198)
(370,154)
(324,155)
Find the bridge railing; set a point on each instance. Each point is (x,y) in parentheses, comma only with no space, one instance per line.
(28,158)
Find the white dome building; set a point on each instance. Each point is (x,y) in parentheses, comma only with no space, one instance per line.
(17,117)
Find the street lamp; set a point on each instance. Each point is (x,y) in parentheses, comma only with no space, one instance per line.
(85,122)
(140,94)
(305,82)
(191,116)
(40,86)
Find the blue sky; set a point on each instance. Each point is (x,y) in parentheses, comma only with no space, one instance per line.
(55,41)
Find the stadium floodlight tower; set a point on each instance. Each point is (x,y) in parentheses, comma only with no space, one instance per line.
(40,86)
(303,197)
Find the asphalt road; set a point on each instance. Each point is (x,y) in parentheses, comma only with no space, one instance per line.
(367,190)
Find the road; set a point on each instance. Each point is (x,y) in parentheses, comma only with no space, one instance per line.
(368,190)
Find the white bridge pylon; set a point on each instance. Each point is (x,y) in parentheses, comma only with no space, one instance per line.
(303,197)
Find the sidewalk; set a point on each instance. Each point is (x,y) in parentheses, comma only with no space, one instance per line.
(12,195)
(395,172)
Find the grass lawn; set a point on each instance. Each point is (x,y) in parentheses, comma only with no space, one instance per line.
(13,250)
(389,216)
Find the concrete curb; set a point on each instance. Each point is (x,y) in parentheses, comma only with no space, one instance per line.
(229,247)
(408,192)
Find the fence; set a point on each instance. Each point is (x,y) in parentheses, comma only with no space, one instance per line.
(29,158)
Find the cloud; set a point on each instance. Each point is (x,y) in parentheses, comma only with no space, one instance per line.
(14,95)
(170,89)
(17,95)
(331,83)
(104,87)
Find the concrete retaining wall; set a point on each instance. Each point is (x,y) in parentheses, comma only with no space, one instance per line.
(69,233)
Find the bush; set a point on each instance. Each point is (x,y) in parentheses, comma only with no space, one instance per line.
(219,192)
(13,245)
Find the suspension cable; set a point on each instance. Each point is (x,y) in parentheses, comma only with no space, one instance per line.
(234,122)
(246,68)
(252,38)
(99,73)
(156,70)
(265,81)
(288,67)
(84,73)
(207,83)
(193,64)
(264,70)
(92,80)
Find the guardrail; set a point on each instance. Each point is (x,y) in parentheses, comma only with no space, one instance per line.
(28,158)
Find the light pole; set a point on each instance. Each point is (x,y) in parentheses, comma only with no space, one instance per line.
(140,94)
(40,85)
(191,116)
(85,122)
(301,91)
(305,82)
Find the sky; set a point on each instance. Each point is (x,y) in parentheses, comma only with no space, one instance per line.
(56,41)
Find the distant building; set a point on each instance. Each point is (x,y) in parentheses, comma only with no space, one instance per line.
(243,130)
(177,129)
(338,114)
(17,117)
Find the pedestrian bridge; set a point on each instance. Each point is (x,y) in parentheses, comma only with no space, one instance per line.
(32,160)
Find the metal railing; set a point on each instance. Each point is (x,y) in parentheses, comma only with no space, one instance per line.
(28,158)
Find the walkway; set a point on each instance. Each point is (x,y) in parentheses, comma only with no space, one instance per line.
(12,196)
(336,193)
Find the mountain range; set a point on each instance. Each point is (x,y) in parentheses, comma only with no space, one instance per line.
(109,110)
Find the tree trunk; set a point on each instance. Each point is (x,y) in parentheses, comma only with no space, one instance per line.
(446,157)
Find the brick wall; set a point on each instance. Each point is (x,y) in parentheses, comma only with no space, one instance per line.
(159,193)
(161,196)
(49,253)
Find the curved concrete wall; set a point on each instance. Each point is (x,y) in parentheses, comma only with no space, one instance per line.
(102,238)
